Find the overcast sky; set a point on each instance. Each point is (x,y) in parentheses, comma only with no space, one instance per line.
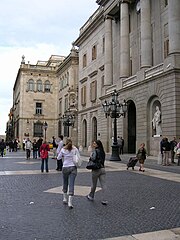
(37,30)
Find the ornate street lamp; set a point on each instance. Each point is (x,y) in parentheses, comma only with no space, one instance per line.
(68,120)
(45,126)
(114,109)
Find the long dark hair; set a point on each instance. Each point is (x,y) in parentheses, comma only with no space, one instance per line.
(100,145)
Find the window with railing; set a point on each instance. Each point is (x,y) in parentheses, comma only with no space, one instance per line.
(38,110)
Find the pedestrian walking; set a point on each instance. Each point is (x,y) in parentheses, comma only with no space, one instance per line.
(28,147)
(173,144)
(60,146)
(69,171)
(178,153)
(39,143)
(2,147)
(141,156)
(54,143)
(35,149)
(165,149)
(98,155)
(44,149)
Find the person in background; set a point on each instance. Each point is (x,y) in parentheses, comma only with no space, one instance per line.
(165,149)
(2,147)
(39,143)
(141,156)
(54,143)
(60,146)
(28,147)
(24,141)
(173,144)
(69,171)
(120,141)
(35,149)
(44,149)
(98,154)
(15,145)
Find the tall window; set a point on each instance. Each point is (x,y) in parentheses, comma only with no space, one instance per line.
(83,95)
(39,86)
(84,60)
(93,91)
(31,85)
(60,106)
(47,86)
(38,129)
(166,41)
(103,45)
(38,108)
(66,103)
(94,52)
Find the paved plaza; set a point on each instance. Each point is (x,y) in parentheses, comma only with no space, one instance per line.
(142,206)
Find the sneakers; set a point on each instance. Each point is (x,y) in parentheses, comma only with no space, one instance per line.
(90,198)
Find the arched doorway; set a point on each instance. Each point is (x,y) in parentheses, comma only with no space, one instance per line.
(84,133)
(131,127)
(94,129)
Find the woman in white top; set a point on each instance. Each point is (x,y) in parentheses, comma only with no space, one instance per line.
(69,171)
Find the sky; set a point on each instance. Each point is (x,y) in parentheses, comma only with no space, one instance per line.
(37,30)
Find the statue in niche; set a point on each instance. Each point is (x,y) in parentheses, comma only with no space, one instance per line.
(156,121)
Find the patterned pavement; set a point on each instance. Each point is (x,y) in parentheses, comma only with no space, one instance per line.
(141,205)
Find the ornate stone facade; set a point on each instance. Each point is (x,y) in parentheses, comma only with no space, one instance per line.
(138,54)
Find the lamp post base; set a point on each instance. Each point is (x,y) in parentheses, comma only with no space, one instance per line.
(115,153)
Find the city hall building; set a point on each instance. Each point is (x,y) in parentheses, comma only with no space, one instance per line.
(132,47)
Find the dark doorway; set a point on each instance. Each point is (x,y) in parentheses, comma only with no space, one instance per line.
(131,127)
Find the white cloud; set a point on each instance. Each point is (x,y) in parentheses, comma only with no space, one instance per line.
(37,30)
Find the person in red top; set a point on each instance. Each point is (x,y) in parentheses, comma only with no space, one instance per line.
(44,149)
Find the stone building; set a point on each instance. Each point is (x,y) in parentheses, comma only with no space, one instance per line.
(35,96)
(67,77)
(38,94)
(133,47)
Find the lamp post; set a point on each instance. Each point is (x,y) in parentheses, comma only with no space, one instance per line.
(68,120)
(45,126)
(114,109)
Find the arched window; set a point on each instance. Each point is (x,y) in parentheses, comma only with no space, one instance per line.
(39,86)
(47,86)
(31,85)
(84,133)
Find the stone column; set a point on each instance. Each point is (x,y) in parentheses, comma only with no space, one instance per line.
(146,41)
(124,40)
(174,26)
(108,68)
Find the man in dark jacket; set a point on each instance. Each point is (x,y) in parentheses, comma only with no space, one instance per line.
(2,147)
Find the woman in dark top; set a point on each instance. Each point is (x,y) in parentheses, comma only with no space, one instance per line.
(98,155)
(141,156)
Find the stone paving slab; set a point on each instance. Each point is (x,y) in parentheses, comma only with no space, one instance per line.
(159,235)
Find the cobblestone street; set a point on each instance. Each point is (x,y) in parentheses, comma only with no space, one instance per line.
(141,205)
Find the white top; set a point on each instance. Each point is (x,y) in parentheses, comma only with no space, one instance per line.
(60,146)
(67,157)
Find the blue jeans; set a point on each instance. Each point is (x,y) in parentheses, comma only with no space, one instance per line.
(69,175)
(35,152)
(46,164)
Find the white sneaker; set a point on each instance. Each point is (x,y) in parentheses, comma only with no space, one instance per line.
(90,198)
